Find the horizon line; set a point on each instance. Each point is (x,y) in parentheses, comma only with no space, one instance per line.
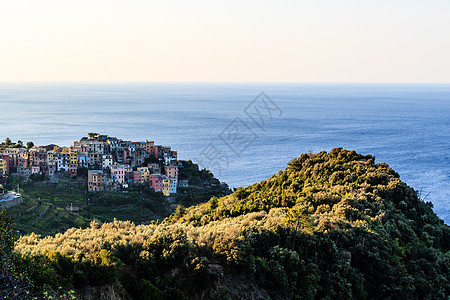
(223,82)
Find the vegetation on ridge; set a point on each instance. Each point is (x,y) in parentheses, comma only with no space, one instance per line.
(331,225)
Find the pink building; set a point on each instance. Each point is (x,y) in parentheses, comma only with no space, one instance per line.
(40,159)
(156,182)
(171,171)
(35,170)
(22,162)
(121,172)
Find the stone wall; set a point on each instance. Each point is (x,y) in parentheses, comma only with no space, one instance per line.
(10,201)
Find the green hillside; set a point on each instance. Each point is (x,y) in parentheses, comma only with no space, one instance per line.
(51,208)
(330,226)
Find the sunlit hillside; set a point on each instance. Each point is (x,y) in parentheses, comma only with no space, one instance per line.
(331,225)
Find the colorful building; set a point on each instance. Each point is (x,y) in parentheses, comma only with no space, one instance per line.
(97,147)
(83,160)
(35,170)
(173,185)
(63,160)
(40,160)
(148,147)
(80,148)
(156,182)
(112,143)
(95,160)
(3,167)
(73,157)
(100,181)
(154,168)
(99,152)
(107,161)
(170,157)
(121,173)
(95,180)
(145,172)
(6,158)
(171,171)
(166,186)
(13,154)
(137,177)
(22,162)
(73,169)
(52,159)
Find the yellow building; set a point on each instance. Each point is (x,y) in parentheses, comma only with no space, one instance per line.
(145,173)
(73,157)
(3,167)
(166,186)
(31,157)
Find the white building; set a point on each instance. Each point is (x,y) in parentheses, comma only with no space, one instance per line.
(52,159)
(183,183)
(51,171)
(107,161)
(113,143)
(96,147)
(63,161)
(121,173)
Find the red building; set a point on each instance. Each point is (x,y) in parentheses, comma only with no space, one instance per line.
(40,160)
(7,159)
(73,169)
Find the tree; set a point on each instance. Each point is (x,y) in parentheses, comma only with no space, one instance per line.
(6,233)
(179,211)
(11,285)
(29,145)
(82,171)
(20,144)
(297,217)
(92,134)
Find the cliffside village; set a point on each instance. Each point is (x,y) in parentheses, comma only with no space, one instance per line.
(112,163)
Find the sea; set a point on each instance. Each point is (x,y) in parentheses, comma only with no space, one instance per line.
(245,132)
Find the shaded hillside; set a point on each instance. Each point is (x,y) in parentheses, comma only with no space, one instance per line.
(332,225)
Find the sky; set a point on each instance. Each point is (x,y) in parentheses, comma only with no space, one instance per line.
(229,41)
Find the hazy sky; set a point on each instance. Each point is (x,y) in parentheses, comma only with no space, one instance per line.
(308,41)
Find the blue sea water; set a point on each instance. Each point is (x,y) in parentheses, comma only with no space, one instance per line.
(405,125)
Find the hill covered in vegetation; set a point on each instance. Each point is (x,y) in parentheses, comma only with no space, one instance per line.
(49,207)
(331,225)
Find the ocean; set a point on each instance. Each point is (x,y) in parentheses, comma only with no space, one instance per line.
(244,136)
